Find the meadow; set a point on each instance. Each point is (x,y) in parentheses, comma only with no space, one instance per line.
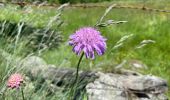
(141,25)
(144,25)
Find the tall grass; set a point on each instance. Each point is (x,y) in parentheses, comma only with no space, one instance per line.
(144,25)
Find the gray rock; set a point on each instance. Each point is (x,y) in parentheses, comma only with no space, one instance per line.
(126,87)
(147,84)
(2,5)
(136,64)
(58,74)
(34,65)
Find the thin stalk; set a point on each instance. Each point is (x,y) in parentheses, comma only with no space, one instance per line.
(78,66)
(105,14)
(73,89)
(22,94)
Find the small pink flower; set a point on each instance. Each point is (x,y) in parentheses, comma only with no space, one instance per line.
(15,81)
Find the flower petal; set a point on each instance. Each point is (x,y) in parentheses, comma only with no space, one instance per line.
(89,40)
(99,52)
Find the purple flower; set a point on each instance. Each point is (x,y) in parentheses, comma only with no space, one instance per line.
(88,40)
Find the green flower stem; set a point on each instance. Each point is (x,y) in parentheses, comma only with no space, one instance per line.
(22,94)
(78,66)
(73,88)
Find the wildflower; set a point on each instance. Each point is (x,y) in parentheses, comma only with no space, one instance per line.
(88,40)
(15,81)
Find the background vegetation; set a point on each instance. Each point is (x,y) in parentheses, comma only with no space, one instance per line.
(59,1)
(141,25)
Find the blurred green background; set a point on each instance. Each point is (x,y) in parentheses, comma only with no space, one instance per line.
(143,24)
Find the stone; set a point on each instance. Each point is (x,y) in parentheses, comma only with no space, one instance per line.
(110,86)
(146,83)
(2,5)
(137,64)
(34,65)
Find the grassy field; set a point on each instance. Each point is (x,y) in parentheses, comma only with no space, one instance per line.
(144,25)
(141,25)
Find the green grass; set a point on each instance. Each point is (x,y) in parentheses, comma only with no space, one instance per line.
(144,25)
(31,15)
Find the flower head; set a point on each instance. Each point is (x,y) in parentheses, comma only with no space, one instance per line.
(15,81)
(88,40)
